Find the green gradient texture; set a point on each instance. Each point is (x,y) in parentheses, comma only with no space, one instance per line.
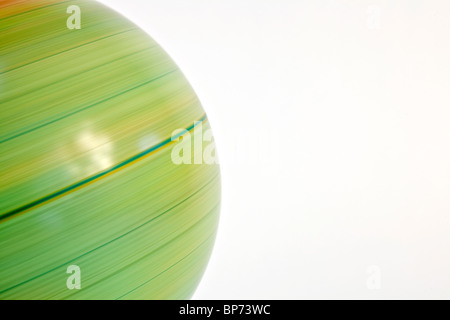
(86,172)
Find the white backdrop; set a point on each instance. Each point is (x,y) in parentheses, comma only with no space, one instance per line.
(331,120)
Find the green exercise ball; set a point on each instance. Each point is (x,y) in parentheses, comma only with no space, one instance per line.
(110,187)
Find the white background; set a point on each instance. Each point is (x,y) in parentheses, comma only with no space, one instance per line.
(332,122)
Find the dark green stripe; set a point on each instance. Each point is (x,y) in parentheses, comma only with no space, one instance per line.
(94,177)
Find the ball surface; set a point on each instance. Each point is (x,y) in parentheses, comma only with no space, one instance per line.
(92,205)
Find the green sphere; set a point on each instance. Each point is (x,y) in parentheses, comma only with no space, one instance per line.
(92,203)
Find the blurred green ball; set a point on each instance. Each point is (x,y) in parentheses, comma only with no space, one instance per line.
(91,204)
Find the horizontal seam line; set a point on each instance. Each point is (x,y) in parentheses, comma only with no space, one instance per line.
(95,177)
